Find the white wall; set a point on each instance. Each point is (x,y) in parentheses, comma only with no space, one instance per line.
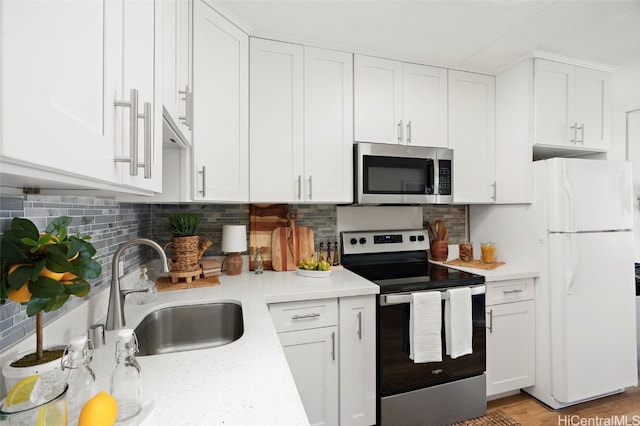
(625,86)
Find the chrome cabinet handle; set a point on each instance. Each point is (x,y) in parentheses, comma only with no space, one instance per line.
(581,128)
(490,327)
(515,290)
(146,116)
(360,325)
(575,133)
(400,131)
(494,189)
(187,97)
(409,132)
(305,316)
(310,187)
(132,104)
(299,186)
(333,345)
(203,172)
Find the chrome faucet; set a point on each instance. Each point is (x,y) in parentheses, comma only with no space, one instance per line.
(115,311)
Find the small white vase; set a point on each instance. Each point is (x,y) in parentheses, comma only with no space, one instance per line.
(13,375)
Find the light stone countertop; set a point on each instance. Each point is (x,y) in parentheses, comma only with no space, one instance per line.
(247,382)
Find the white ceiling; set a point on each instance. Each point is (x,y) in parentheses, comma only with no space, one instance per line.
(473,35)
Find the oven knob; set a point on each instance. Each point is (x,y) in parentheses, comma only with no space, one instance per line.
(363,240)
(353,241)
(420,237)
(412,238)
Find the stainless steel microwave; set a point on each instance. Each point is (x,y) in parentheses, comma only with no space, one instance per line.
(402,174)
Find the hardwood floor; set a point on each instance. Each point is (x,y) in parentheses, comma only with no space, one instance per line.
(620,409)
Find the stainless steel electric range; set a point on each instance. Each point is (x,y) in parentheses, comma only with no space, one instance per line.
(408,393)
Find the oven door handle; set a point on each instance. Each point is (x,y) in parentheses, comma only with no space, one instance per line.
(398,299)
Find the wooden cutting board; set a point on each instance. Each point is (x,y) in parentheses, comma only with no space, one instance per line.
(263,219)
(289,245)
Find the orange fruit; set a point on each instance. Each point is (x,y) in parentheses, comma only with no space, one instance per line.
(74,257)
(101,410)
(50,274)
(22,295)
(68,276)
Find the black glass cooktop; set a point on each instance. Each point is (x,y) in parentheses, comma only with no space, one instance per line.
(409,271)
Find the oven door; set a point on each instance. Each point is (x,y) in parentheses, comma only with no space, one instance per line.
(397,373)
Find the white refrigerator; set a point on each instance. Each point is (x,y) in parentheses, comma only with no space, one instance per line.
(578,233)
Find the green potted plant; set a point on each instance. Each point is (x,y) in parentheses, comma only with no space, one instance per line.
(186,248)
(42,271)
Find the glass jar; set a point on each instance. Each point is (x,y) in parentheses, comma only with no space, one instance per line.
(465,251)
(488,252)
(81,378)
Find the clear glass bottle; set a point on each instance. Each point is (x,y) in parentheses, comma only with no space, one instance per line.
(321,256)
(125,379)
(258,262)
(329,252)
(81,378)
(336,255)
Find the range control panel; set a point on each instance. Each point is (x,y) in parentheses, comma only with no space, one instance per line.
(362,242)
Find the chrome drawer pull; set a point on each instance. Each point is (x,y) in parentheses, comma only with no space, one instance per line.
(515,290)
(306,316)
(490,327)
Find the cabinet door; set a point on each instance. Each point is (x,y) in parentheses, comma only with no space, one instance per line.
(328,125)
(510,346)
(554,94)
(357,360)
(425,105)
(472,136)
(592,106)
(276,126)
(141,70)
(176,78)
(313,360)
(220,95)
(377,100)
(56,109)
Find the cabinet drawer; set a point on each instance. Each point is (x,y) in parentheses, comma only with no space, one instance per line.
(509,291)
(292,316)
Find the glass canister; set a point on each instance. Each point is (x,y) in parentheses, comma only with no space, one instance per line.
(465,251)
(488,252)
(125,379)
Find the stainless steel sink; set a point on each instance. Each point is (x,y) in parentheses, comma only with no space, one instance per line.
(189,327)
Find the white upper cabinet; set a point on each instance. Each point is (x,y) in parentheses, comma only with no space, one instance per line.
(139,131)
(177,86)
(472,136)
(61,90)
(220,108)
(400,103)
(300,123)
(572,106)
(328,125)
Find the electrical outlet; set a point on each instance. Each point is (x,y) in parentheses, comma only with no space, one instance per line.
(121,268)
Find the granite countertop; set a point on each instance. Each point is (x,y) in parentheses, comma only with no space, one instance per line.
(246,382)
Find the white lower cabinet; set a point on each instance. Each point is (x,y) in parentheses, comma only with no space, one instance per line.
(330,348)
(510,310)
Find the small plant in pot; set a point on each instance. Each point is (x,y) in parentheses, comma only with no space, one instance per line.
(42,271)
(186,248)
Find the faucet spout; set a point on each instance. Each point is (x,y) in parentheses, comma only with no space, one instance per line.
(115,311)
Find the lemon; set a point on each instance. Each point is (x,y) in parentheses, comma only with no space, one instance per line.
(21,391)
(57,276)
(53,414)
(101,410)
(68,276)
(22,295)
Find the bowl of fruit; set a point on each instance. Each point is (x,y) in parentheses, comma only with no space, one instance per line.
(310,267)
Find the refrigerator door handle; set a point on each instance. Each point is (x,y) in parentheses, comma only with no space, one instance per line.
(566,184)
(573,262)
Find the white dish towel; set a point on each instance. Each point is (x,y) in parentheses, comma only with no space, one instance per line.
(425,327)
(457,322)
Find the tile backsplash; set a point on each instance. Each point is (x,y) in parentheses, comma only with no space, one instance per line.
(111,223)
